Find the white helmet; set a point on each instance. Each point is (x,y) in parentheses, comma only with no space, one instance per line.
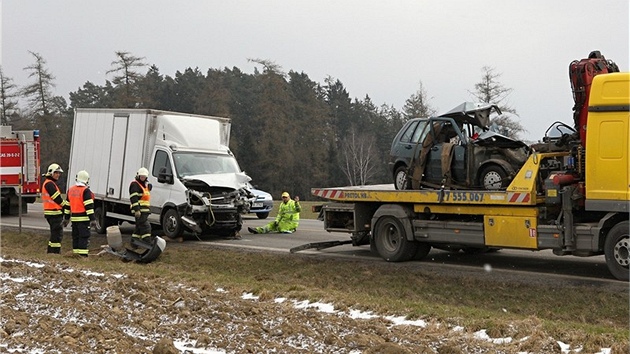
(53,168)
(142,172)
(83,177)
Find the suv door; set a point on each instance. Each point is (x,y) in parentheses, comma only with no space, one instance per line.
(446,132)
(403,148)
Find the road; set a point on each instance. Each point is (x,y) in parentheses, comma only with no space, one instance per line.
(522,263)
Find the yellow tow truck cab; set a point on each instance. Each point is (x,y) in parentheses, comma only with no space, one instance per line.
(607,147)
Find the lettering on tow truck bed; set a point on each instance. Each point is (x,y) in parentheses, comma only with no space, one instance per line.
(473,197)
(355,195)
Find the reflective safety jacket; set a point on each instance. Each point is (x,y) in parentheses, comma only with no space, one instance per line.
(51,198)
(288,216)
(80,205)
(140,196)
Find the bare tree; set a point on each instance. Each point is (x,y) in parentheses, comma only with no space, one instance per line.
(491,90)
(418,104)
(126,77)
(8,93)
(358,157)
(39,93)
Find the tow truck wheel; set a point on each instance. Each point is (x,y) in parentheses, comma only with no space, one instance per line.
(172,224)
(617,250)
(400,178)
(391,241)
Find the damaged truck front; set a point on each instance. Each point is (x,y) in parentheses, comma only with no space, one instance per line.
(197,184)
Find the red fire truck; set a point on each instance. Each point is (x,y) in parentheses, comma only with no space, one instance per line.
(19,168)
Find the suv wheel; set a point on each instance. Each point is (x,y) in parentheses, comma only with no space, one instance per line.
(493,177)
(400,178)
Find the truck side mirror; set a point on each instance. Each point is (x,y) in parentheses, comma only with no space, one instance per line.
(165,177)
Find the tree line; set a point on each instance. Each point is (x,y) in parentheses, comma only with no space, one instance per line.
(288,131)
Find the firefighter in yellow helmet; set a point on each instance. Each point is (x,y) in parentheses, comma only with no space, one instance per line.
(140,198)
(80,210)
(286,221)
(53,206)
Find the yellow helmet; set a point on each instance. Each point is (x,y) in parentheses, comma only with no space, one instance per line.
(142,172)
(53,168)
(83,177)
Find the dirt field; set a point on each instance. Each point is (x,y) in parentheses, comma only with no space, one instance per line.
(51,307)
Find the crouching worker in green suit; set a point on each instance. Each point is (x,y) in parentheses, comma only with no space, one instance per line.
(287,220)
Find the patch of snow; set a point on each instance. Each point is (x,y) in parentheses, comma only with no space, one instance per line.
(361,314)
(482,335)
(249,296)
(402,320)
(321,307)
(17,280)
(188,347)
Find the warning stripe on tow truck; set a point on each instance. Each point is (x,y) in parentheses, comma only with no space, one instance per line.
(518,197)
(327,193)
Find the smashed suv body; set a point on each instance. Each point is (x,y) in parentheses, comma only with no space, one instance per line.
(455,150)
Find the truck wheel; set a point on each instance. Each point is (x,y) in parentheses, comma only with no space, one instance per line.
(400,178)
(101,221)
(262,215)
(391,241)
(493,177)
(617,250)
(171,224)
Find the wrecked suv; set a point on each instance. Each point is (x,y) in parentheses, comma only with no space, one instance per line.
(456,150)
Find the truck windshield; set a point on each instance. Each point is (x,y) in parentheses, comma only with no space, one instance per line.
(194,163)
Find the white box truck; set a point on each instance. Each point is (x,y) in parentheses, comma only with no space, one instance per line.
(197,183)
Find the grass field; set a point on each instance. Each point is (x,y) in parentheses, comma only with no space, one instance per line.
(573,314)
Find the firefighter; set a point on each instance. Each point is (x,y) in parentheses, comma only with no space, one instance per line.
(286,221)
(53,206)
(80,210)
(140,197)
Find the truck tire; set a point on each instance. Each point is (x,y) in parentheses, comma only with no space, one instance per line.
(102,222)
(172,224)
(390,240)
(617,250)
(493,177)
(400,178)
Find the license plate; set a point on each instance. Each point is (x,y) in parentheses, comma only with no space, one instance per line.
(257,205)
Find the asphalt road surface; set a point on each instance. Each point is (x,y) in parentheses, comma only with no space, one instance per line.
(525,263)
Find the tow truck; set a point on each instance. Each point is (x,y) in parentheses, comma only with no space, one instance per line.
(566,198)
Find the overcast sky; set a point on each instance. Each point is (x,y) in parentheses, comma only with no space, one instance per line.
(378,48)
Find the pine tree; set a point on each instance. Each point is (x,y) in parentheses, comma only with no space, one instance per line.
(418,105)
